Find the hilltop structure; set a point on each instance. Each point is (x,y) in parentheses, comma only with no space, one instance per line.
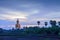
(17,24)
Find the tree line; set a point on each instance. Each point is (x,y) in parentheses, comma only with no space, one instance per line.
(36,30)
(52,23)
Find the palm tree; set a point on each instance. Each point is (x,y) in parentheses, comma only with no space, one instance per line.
(59,23)
(46,23)
(38,22)
(53,23)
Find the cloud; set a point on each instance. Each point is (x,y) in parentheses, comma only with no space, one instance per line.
(49,16)
(8,14)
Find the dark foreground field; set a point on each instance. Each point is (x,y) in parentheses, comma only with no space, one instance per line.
(31,33)
(29,38)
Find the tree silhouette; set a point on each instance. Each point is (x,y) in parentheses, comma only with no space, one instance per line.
(46,23)
(53,23)
(38,22)
(59,23)
(1,30)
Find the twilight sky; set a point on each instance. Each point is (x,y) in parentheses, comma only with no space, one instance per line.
(28,11)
